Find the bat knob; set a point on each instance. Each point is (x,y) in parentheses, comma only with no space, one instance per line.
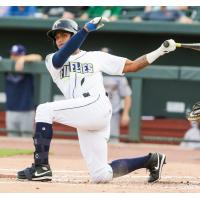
(166,44)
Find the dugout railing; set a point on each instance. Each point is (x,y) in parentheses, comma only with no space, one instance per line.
(44,91)
(153,88)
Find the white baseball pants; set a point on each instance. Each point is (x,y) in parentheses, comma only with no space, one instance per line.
(91,116)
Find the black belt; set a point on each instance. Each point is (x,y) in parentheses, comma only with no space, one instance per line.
(87,94)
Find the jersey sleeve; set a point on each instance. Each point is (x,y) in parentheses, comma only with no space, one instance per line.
(111,64)
(53,71)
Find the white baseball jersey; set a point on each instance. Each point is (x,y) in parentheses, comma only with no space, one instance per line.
(82,73)
(86,106)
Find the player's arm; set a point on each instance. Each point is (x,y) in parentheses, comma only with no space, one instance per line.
(125,114)
(32,57)
(145,60)
(19,65)
(61,56)
(125,93)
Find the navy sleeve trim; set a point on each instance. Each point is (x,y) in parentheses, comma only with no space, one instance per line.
(61,56)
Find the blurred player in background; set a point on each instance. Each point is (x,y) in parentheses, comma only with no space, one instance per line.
(78,74)
(20,94)
(193,133)
(119,93)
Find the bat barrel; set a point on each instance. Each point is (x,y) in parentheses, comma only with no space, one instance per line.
(194,46)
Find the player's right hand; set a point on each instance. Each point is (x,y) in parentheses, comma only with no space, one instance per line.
(171,46)
(95,24)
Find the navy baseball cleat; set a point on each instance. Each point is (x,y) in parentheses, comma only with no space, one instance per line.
(36,173)
(154,165)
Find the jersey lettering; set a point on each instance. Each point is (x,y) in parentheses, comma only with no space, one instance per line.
(65,72)
(87,68)
(77,67)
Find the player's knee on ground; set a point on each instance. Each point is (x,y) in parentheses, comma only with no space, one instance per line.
(44,113)
(103,175)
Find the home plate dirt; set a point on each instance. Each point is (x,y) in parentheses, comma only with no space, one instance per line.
(180,174)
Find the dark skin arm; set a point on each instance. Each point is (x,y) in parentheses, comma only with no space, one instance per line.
(135,65)
(145,60)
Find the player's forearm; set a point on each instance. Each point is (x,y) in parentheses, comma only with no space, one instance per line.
(61,56)
(145,60)
(142,62)
(32,57)
(135,65)
(127,105)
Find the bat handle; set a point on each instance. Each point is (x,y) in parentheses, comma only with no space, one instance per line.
(178,45)
(166,44)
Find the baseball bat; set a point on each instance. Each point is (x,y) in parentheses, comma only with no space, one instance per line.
(194,46)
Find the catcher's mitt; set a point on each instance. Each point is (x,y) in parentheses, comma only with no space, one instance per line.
(194,115)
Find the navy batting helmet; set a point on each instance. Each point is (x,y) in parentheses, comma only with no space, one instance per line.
(67,25)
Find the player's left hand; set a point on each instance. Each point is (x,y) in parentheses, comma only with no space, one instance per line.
(170,47)
(95,24)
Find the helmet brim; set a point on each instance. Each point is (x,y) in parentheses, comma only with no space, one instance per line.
(51,33)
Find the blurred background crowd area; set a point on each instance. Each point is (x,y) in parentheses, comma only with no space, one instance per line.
(182,14)
(162,95)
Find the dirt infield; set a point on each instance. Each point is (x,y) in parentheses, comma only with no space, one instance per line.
(180,174)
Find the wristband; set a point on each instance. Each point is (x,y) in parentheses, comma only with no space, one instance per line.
(151,57)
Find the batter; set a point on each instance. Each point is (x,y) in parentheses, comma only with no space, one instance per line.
(78,74)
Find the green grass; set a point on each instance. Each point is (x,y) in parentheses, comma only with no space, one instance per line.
(14,152)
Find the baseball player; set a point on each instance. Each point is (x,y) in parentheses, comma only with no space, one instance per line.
(78,74)
(118,89)
(19,94)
